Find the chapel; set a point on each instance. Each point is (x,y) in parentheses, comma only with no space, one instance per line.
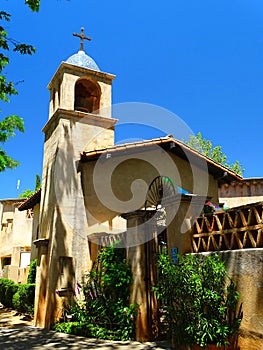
(91,195)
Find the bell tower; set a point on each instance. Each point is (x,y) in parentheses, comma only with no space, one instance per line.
(79,119)
(79,85)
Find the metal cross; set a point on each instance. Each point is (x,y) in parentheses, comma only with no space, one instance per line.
(82,37)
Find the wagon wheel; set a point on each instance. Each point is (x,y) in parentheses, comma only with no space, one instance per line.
(160,188)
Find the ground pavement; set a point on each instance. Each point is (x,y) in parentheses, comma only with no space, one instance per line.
(17,332)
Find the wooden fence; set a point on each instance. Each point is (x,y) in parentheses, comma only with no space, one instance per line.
(236,228)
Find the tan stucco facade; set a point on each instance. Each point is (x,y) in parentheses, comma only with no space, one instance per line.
(63,83)
(80,199)
(85,198)
(15,240)
(133,174)
(62,244)
(245,267)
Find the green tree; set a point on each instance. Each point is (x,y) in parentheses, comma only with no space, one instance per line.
(205,147)
(10,124)
(28,193)
(38,183)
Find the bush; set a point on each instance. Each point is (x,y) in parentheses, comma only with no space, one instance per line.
(199,300)
(31,278)
(104,311)
(89,330)
(23,299)
(7,289)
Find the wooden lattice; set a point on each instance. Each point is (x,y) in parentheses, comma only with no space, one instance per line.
(237,228)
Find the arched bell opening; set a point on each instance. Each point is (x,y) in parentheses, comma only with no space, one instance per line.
(87,96)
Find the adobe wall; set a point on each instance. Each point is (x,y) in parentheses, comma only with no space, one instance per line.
(60,86)
(129,177)
(15,231)
(62,245)
(246,268)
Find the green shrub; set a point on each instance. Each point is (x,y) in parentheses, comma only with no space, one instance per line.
(89,330)
(104,311)
(7,289)
(199,300)
(23,299)
(31,278)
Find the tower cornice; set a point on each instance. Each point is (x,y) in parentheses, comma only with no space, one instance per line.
(67,67)
(89,118)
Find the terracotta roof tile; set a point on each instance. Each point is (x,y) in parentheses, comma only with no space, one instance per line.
(162,141)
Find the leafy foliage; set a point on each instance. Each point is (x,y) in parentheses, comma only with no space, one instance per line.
(38,183)
(9,125)
(29,193)
(17,296)
(7,289)
(105,311)
(202,306)
(31,278)
(26,194)
(33,4)
(23,299)
(206,148)
(89,330)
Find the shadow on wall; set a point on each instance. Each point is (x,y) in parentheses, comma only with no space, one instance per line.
(54,273)
(246,268)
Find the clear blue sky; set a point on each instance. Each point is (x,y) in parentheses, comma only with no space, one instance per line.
(202,60)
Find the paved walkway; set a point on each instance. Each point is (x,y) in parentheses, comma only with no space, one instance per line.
(17,332)
(28,337)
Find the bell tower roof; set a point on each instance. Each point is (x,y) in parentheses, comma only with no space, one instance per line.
(81,59)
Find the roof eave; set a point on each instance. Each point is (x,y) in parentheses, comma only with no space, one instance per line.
(220,172)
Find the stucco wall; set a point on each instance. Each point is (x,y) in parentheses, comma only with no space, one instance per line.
(231,202)
(63,83)
(246,268)
(15,228)
(119,183)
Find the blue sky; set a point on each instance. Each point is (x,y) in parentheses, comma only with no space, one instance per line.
(202,60)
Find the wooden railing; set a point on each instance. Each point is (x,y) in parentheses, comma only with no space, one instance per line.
(236,228)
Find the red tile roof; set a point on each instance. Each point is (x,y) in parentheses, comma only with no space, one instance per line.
(172,145)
